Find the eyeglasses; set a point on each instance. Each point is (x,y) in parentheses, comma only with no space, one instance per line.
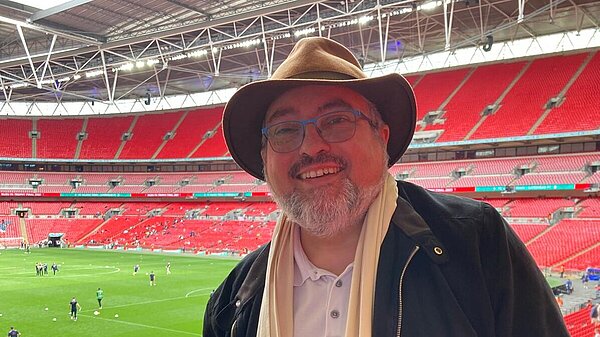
(333,127)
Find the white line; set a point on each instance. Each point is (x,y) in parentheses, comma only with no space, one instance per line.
(143,325)
(197,290)
(147,302)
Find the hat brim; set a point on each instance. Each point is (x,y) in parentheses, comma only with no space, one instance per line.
(245,112)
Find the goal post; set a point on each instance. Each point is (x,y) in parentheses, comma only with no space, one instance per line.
(6,243)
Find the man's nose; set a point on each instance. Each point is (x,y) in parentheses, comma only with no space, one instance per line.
(313,142)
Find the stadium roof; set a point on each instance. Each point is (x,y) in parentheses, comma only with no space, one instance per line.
(111,50)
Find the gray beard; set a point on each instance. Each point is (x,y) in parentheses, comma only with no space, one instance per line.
(325,214)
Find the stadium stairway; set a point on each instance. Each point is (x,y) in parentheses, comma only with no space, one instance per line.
(93,231)
(124,141)
(562,92)
(173,131)
(80,141)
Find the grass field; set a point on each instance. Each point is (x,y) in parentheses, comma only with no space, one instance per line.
(175,306)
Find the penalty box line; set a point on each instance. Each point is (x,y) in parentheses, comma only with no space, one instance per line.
(153,301)
(143,325)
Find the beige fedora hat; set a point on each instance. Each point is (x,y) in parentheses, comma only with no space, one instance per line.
(316,61)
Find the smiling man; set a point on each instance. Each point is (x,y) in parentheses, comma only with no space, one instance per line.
(354,252)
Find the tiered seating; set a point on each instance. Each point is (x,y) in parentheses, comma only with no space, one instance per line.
(190,132)
(113,227)
(550,178)
(221,208)
(92,189)
(431,182)
(541,208)
(260,209)
(148,133)
(435,88)
(6,206)
(527,232)
(179,208)
(195,188)
(127,189)
(58,137)
(137,178)
(464,110)
(98,178)
(212,147)
(21,178)
(564,163)
(56,178)
(46,208)
(161,189)
(15,138)
(233,188)
(74,229)
(13,229)
(494,180)
(497,203)
(240,178)
(432,169)
(564,239)
(544,79)
(141,208)
(104,136)
(594,179)
(412,79)
(208,177)
(590,208)
(95,208)
(498,166)
(54,188)
(173,178)
(578,323)
(590,258)
(580,111)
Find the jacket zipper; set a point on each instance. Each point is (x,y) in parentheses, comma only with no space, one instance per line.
(412,254)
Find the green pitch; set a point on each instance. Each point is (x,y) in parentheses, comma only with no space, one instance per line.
(175,306)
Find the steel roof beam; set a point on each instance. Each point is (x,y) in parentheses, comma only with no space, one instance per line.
(57,9)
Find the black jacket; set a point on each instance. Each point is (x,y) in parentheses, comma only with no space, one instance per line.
(461,272)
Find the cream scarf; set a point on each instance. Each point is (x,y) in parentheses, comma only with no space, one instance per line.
(276,312)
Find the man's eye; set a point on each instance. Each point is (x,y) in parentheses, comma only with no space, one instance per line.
(335,120)
(285,131)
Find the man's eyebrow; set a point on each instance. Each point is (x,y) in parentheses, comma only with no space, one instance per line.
(279,113)
(336,103)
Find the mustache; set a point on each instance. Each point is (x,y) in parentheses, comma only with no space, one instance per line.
(321,158)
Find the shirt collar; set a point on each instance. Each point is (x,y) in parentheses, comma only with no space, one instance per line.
(303,268)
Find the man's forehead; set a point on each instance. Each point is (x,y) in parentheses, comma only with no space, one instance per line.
(319,98)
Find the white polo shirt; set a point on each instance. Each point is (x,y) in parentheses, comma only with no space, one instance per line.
(320,297)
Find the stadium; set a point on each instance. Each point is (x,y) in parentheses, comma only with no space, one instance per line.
(112,153)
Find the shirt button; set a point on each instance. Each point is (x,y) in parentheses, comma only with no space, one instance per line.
(335,314)
(238,303)
(338,283)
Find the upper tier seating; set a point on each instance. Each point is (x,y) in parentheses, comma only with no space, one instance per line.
(544,79)
(15,138)
(104,136)
(148,134)
(190,132)
(464,110)
(57,138)
(580,110)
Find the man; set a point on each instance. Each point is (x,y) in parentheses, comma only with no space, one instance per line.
(136,268)
(13,332)
(355,253)
(168,267)
(99,297)
(152,279)
(54,268)
(74,308)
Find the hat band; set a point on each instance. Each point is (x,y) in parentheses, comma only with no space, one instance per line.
(322,75)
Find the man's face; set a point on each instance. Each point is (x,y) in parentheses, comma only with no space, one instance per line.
(322,177)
